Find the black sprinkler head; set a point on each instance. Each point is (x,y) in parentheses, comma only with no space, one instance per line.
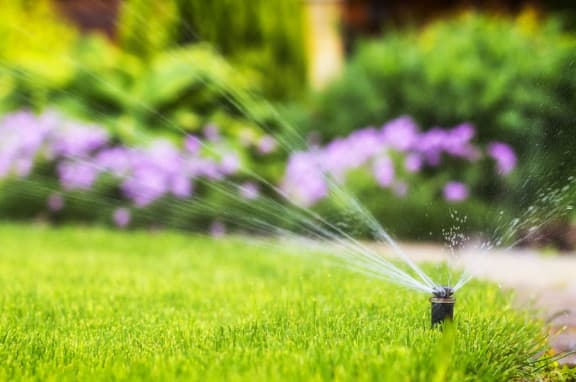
(442,305)
(443,291)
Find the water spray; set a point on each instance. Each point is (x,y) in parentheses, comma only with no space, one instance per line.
(442,305)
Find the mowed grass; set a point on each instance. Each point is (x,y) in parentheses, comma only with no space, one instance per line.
(92,304)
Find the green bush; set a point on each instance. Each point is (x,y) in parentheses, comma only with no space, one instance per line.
(263,35)
(172,92)
(34,53)
(513,79)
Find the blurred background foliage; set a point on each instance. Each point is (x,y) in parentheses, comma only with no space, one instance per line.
(514,79)
(34,52)
(152,86)
(176,66)
(267,36)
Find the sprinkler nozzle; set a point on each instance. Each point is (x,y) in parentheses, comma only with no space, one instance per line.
(442,305)
(443,291)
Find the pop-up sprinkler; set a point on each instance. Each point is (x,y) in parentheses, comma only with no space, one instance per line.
(442,305)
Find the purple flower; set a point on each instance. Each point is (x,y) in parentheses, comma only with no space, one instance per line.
(413,162)
(77,175)
(23,135)
(504,156)
(217,229)
(365,143)
(312,189)
(181,186)
(431,145)
(304,180)
(154,172)
(116,160)
(192,144)
(5,165)
(249,190)
(457,142)
(73,139)
(25,132)
(401,133)
(55,202)
(230,163)
(121,217)
(464,132)
(267,145)
(337,158)
(352,152)
(162,155)
(23,166)
(27,141)
(455,191)
(197,167)
(384,171)
(146,185)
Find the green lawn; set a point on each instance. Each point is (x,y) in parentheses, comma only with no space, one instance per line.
(91,304)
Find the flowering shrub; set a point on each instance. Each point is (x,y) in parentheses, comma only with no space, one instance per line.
(82,157)
(82,154)
(394,155)
(513,78)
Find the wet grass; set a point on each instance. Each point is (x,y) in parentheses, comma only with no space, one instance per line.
(91,304)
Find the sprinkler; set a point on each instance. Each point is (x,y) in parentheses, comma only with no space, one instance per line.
(442,305)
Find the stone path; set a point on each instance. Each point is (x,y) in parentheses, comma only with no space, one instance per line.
(546,282)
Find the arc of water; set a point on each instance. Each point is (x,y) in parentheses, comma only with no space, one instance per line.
(382,235)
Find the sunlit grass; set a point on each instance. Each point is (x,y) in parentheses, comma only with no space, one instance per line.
(92,304)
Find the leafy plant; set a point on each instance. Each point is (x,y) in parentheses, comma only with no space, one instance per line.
(173,92)
(34,53)
(268,37)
